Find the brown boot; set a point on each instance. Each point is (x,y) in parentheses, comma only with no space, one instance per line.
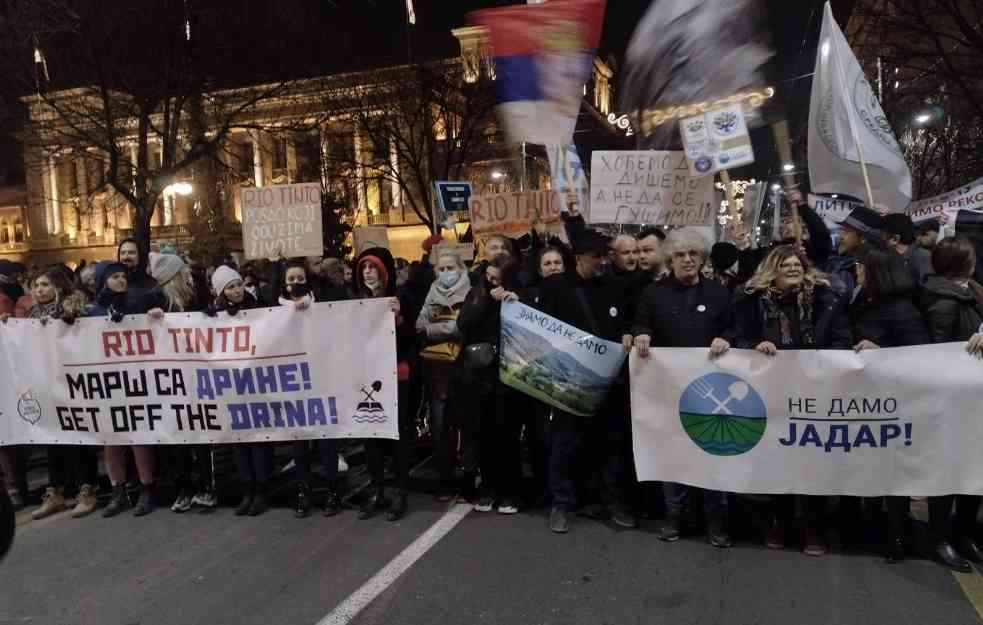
(86,502)
(52,503)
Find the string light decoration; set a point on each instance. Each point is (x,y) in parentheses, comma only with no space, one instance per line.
(751,100)
(739,188)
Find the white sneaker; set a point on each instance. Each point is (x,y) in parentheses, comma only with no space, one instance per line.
(206,499)
(342,465)
(182,503)
(507,507)
(484,504)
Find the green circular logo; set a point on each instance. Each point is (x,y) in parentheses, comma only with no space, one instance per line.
(722,414)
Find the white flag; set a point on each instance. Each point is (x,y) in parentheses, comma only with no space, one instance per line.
(410,12)
(846,123)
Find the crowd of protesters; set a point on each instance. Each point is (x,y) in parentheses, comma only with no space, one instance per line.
(884,285)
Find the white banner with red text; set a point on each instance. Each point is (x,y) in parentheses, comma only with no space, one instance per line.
(903,421)
(275,374)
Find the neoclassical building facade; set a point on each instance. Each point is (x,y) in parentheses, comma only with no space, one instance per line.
(66,212)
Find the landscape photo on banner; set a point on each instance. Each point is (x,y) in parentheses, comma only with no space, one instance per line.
(263,375)
(648,187)
(812,422)
(282,221)
(968,197)
(554,362)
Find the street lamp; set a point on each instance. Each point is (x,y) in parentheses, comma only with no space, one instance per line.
(497,175)
(788,167)
(178,188)
(923,118)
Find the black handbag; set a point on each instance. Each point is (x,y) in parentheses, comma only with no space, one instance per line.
(479,355)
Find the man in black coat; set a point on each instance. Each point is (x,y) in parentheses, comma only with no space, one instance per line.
(142,291)
(594,303)
(684,310)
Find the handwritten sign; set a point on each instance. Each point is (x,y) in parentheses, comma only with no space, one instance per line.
(512,213)
(365,237)
(464,250)
(282,221)
(648,187)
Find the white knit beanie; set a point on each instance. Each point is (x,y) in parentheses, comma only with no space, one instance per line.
(221,278)
(163,267)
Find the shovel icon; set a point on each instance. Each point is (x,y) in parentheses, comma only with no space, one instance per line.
(738,390)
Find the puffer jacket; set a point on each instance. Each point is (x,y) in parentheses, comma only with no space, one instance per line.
(954,312)
(443,302)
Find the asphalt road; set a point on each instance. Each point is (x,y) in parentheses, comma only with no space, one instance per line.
(217,568)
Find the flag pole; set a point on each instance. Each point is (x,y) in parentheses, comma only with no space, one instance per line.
(780,132)
(853,127)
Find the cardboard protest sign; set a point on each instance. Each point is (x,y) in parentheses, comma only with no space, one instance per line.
(648,187)
(282,221)
(968,197)
(513,214)
(262,375)
(716,140)
(464,250)
(364,237)
(555,362)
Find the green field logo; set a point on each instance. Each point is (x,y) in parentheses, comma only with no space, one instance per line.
(722,414)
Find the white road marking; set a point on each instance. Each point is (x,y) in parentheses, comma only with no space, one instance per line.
(348,609)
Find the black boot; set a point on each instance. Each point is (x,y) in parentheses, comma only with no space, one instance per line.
(303,508)
(247,500)
(375,502)
(947,557)
(146,504)
(120,501)
(895,552)
(260,502)
(332,502)
(398,508)
(970,550)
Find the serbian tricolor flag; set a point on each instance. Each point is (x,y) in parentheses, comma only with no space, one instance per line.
(543,58)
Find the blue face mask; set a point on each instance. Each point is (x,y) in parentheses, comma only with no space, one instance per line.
(449,278)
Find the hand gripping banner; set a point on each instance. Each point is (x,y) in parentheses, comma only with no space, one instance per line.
(264,375)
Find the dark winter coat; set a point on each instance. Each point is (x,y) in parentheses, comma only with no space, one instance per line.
(405,330)
(142,291)
(479,321)
(677,315)
(954,312)
(602,296)
(892,322)
(829,319)
(249,302)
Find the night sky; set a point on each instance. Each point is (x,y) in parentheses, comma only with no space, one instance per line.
(294,38)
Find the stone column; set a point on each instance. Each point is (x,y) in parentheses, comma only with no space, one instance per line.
(257,159)
(359,173)
(54,224)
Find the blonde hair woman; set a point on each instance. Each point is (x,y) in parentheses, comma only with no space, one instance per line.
(788,304)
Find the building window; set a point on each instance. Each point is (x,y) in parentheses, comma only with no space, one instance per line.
(280,158)
(307,146)
(4,233)
(19,231)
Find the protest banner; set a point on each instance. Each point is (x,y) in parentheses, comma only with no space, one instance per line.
(901,421)
(263,375)
(832,210)
(648,187)
(556,363)
(464,250)
(968,197)
(513,214)
(282,221)
(569,180)
(364,237)
(716,140)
